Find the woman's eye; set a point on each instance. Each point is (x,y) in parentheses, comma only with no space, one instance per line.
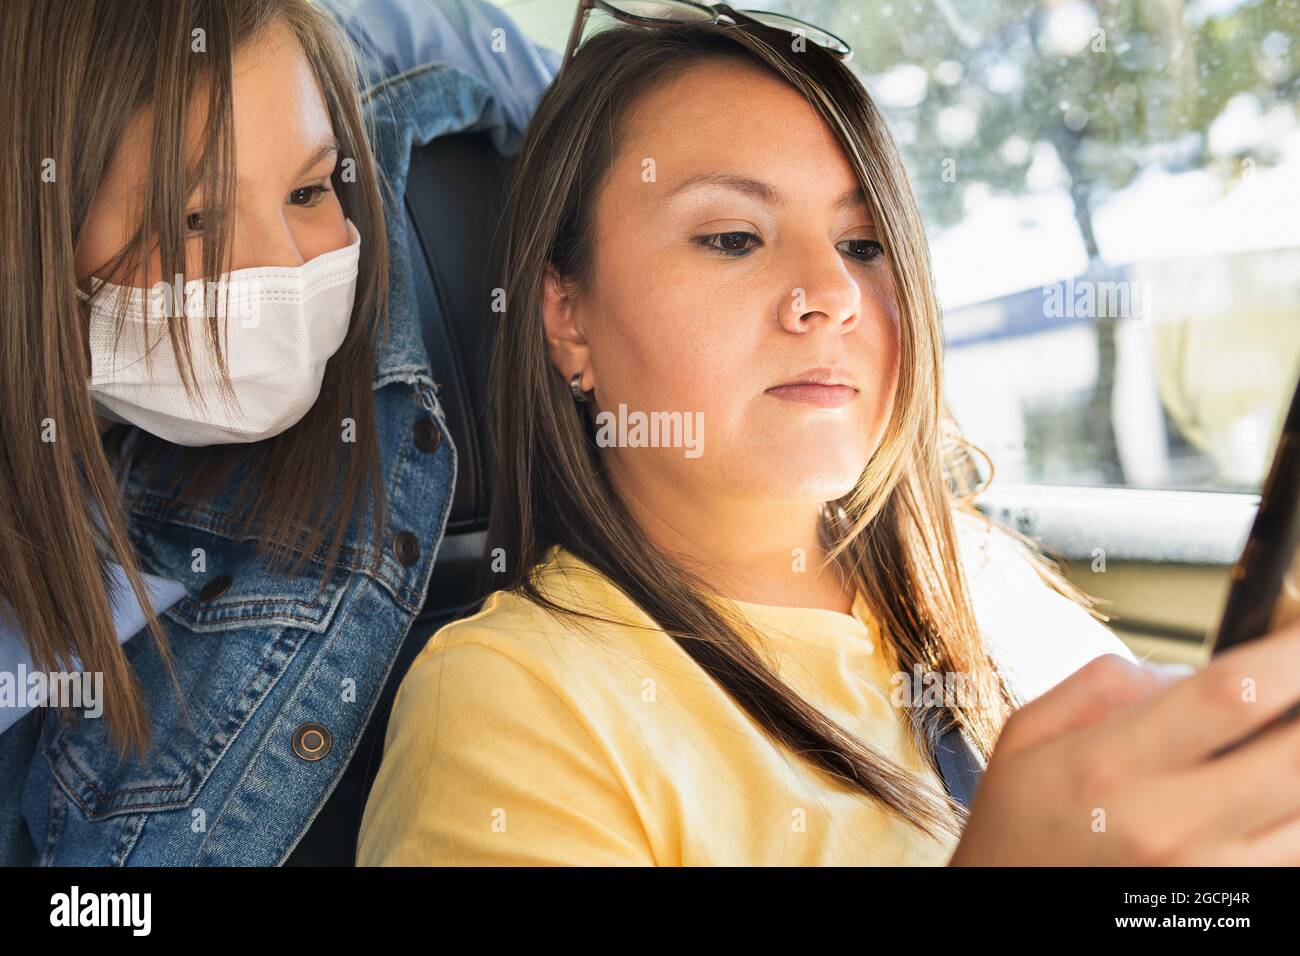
(307,195)
(734,244)
(863,249)
(194,222)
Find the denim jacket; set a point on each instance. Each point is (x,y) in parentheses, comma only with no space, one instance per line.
(268,667)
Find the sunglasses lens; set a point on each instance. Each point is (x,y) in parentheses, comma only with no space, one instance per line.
(793,26)
(661,10)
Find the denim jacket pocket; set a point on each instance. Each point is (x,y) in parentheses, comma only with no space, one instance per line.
(233,637)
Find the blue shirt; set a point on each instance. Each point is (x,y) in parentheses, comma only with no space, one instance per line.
(128,618)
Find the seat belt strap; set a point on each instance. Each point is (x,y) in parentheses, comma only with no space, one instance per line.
(958,766)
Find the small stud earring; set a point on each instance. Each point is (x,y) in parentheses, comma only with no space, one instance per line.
(575,387)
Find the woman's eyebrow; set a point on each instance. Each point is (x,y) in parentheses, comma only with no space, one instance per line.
(331,145)
(326,146)
(854,197)
(763,192)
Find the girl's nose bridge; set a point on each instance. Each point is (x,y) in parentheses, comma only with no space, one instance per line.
(265,240)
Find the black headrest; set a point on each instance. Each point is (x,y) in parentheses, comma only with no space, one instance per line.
(454,195)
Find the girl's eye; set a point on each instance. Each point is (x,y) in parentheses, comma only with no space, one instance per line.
(307,196)
(194,222)
(734,244)
(864,249)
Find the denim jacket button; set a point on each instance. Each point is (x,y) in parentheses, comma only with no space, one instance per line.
(215,588)
(312,741)
(427,436)
(407,548)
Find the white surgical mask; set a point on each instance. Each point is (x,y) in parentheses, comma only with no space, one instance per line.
(282,325)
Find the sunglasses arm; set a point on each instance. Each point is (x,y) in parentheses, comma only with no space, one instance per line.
(579,19)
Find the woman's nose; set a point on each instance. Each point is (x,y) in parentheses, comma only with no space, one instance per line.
(826,294)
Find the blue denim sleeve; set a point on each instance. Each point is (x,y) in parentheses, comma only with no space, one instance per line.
(393,36)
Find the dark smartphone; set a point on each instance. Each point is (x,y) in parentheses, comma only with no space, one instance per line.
(1265,591)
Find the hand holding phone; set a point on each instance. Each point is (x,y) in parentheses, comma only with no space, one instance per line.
(1124,738)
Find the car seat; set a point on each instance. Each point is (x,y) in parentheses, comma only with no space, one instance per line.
(454,196)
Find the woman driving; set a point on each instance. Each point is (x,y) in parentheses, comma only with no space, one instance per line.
(744,649)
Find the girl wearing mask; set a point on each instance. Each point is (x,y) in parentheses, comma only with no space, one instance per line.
(718,657)
(226,470)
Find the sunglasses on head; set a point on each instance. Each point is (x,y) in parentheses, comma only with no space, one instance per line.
(667,13)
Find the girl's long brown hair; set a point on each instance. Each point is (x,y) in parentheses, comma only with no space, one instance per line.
(893,535)
(78,72)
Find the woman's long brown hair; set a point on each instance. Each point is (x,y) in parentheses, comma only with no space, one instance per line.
(79,71)
(893,534)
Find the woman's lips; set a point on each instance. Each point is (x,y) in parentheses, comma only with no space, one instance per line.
(821,396)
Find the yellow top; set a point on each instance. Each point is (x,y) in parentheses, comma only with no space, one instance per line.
(517,738)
